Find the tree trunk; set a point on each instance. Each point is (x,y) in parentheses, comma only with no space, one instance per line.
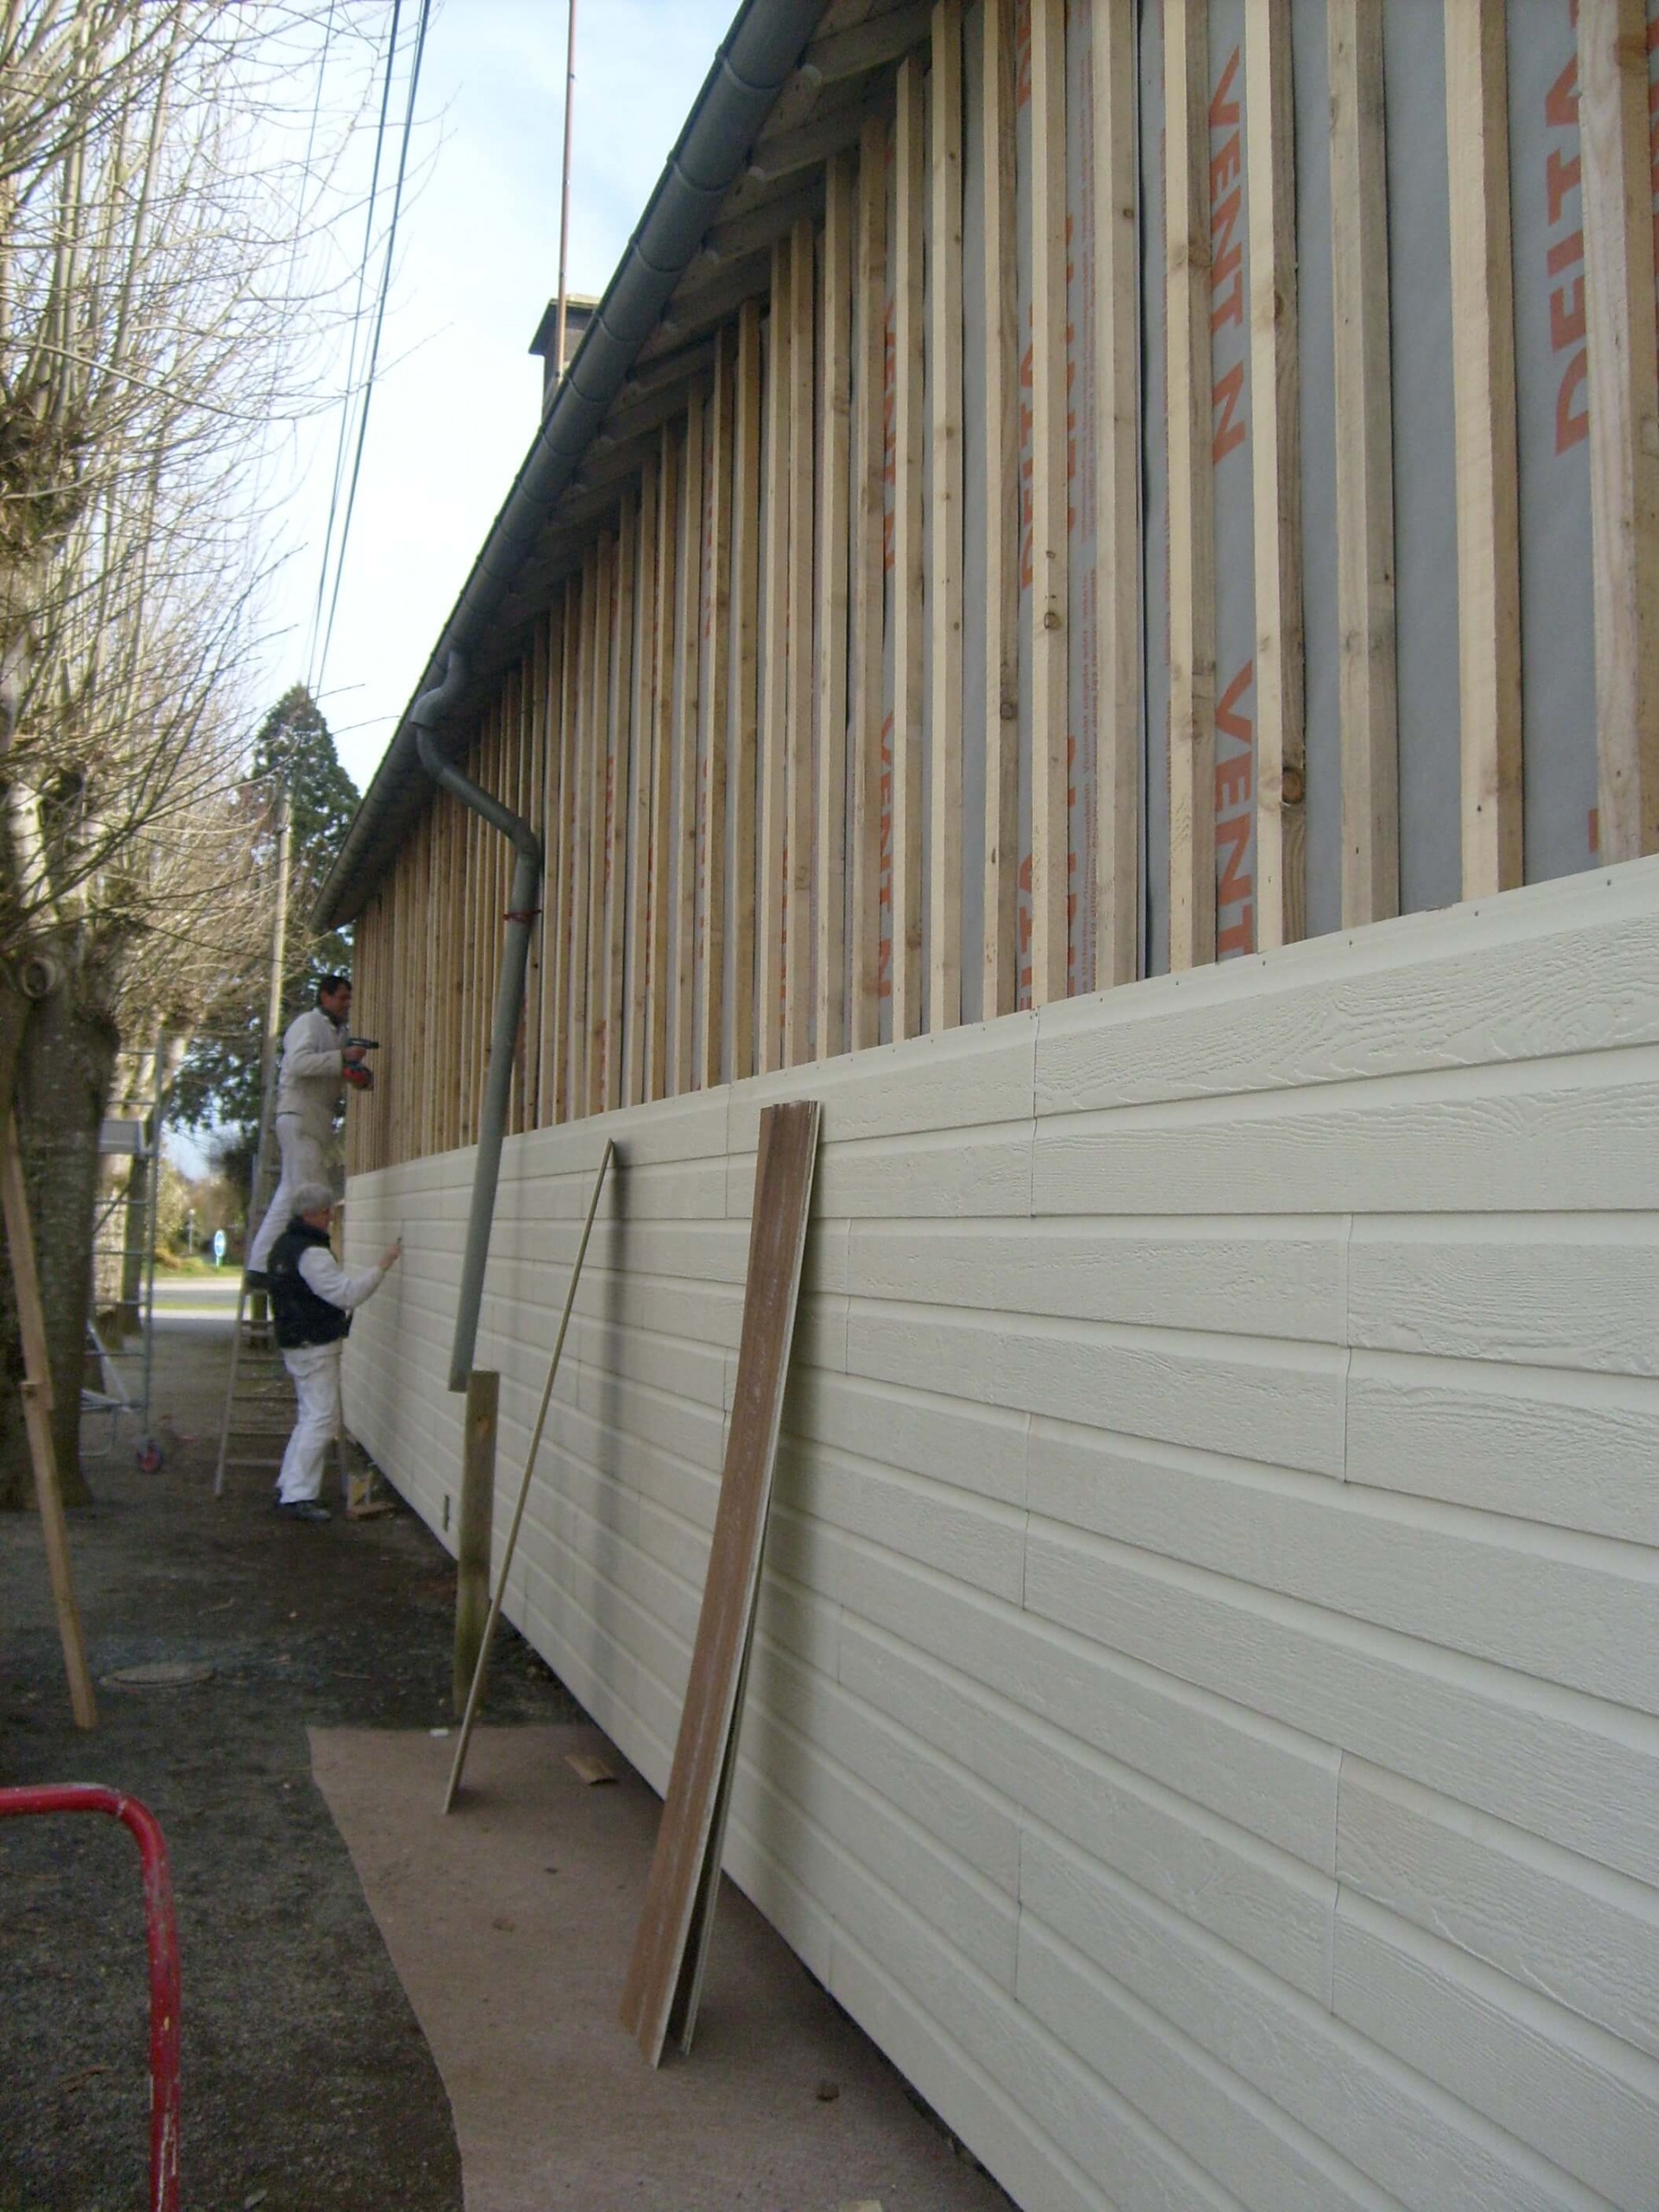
(64,1069)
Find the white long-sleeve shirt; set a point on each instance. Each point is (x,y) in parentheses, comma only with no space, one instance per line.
(338,1285)
(312,1072)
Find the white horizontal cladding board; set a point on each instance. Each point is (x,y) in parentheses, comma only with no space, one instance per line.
(1572,2091)
(1546,1136)
(1559,1924)
(1423,2146)
(1553,1446)
(1573,1768)
(1556,969)
(1577,1291)
(1276,1278)
(972,1539)
(1263,1399)
(1576,1610)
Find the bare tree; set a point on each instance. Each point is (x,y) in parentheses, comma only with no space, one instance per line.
(158,314)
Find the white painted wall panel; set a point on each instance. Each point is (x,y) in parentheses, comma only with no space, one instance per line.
(1204,1713)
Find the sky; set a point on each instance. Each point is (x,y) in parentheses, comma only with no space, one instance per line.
(458,397)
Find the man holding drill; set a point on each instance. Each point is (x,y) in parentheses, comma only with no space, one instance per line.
(312,1300)
(318,1056)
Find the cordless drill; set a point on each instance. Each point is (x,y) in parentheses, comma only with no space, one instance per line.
(357,1075)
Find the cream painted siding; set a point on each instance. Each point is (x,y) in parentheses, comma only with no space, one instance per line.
(1205,1721)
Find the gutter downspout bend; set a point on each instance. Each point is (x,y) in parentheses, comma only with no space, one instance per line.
(429,710)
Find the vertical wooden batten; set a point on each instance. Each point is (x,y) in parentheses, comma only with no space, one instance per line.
(1623,398)
(909,611)
(774,676)
(688,692)
(634,782)
(999,463)
(944,526)
(865,681)
(715,705)
(1364,418)
(1191,493)
(744,765)
(1050,502)
(799,780)
(1117,512)
(834,522)
(1489,508)
(1280,808)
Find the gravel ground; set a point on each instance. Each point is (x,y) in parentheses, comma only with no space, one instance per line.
(307,2085)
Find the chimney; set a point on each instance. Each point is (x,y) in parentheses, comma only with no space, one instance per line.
(579,312)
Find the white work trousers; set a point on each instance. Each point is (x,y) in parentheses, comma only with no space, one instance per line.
(315,1370)
(304,1160)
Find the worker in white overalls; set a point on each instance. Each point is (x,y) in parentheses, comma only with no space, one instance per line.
(316,1056)
(312,1300)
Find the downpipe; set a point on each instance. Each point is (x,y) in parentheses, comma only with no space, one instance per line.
(428,712)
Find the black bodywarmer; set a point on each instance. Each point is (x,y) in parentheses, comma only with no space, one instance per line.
(302,1317)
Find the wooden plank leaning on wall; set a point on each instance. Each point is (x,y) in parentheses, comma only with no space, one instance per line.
(999,462)
(909,611)
(834,524)
(1483,403)
(1365,416)
(944,517)
(866,613)
(1191,498)
(774,686)
(1624,392)
(1280,808)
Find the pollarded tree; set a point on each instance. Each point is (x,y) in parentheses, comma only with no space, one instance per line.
(154,204)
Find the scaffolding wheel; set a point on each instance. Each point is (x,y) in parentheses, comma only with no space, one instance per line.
(149,1457)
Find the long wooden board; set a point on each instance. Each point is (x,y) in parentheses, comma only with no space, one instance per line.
(660,1994)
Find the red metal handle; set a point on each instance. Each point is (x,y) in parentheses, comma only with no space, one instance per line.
(161,1932)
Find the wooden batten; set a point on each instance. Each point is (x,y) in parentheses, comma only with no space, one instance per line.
(999,462)
(624,650)
(1050,499)
(744,766)
(798,684)
(634,784)
(659,857)
(834,533)
(687,678)
(1281,787)
(599,840)
(1484,397)
(909,611)
(944,517)
(1624,395)
(1117,510)
(582,848)
(569,616)
(717,700)
(1192,495)
(1364,415)
(774,678)
(866,618)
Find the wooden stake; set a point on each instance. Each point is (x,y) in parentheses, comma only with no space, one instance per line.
(37,1420)
(473,1537)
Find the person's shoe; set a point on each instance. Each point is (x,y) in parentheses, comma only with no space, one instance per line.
(255,1279)
(303,1508)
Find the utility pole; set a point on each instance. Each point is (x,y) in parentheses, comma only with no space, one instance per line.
(564,196)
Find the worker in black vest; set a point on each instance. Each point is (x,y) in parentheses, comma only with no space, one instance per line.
(312,1300)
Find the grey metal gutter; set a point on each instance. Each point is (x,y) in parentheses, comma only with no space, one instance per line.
(754,62)
(425,715)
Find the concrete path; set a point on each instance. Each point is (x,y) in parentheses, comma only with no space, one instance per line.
(510,1925)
